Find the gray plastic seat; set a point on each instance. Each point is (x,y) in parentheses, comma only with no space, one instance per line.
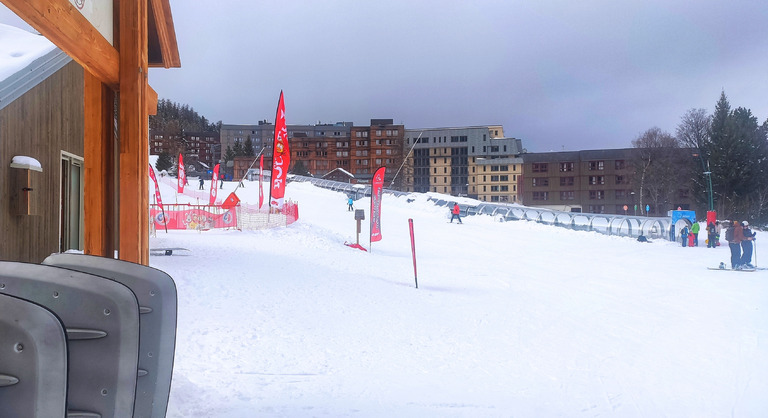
(156,294)
(33,360)
(101,319)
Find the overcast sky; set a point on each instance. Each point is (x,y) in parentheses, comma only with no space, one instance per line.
(560,75)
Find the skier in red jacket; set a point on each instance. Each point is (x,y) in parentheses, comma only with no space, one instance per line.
(455,212)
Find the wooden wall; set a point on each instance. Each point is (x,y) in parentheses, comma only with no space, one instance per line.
(45,121)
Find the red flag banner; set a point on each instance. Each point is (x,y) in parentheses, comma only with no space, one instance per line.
(377,188)
(214,182)
(261,179)
(182,175)
(281,157)
(157,189)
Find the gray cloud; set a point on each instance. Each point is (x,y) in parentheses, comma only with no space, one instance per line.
(558,74)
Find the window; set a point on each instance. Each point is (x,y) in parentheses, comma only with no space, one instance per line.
(595,165)
(567,195)
(567,166)
(594,180)
(539,181)
(504,188)
(566,181)
(504,178)
(621,194)
(596,194)
(621,180)
(494,188)
(495,178)
(72,208)
(620,164)
(540,195)
(539,167)
(596,208)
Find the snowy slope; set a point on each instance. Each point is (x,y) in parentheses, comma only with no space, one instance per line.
(510,319)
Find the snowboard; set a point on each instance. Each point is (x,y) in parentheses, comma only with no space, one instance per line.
(727,269)
(166,251)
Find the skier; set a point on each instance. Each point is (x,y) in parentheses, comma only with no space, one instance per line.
(684,235)
(455,212)
(734,235)
(201,184)
(695,232)
(718,228)
(746,246)
(711,235)
(349,204)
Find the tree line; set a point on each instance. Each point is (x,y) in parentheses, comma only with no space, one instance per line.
(722,158)
(175,118)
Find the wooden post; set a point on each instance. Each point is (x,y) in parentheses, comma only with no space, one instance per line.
(133,115)
(99,172)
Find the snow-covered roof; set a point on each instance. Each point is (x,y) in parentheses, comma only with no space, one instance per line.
(346,173)
(26,59)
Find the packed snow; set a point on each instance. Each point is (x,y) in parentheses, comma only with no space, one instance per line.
(19,48)
(509,319)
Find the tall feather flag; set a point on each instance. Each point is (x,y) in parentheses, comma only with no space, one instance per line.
(182,175)
(214,182)
(281,157)
(377,188)
(261,179)
(157,195)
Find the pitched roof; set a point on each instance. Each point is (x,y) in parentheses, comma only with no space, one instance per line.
(26,59)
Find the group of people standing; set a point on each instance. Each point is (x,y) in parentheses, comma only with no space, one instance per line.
(740,237)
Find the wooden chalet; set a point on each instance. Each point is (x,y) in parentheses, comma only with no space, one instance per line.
(85,121)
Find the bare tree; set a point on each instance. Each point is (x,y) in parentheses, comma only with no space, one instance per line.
(693,130)
(656,156)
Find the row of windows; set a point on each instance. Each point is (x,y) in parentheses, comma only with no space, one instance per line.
(567,166)
(570,181)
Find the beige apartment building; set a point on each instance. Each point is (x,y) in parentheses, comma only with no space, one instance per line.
(474,161)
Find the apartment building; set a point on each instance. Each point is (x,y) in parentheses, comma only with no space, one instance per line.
(475,161)
(323,148)
(593,181)
(203,147)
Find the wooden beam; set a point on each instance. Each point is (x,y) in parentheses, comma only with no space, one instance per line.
(96,159)
(166,34)
(151,103)
(68,29)
(133,82)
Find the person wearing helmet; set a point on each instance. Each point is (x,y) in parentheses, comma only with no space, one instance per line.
(746,246)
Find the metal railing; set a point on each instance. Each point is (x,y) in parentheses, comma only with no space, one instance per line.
(622,225)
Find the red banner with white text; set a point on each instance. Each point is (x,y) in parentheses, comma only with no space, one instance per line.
(281,157)
(182,175)
(214,182)
(157,188)
(377,188)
